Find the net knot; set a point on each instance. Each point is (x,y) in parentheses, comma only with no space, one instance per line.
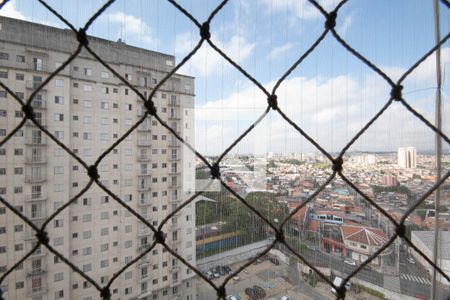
(28,111)
(93,172)
(159,237)
(340,291)
(337,164)
(401,230)
(42,237)
(82,38)
(396,92)
(105,293)
(330,23)
(215,171)
(221,292)
(279,236)
(204,31)
(150,106)
(272,100)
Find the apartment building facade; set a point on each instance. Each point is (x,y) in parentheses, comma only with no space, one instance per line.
(88,109)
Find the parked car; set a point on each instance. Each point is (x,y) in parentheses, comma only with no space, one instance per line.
(337,282)
(236,278)
(255,292)
(209,274)
(285,297)
(227,270)
(410,260)
(312,248)
(349,262)
(274,260)
(231,297)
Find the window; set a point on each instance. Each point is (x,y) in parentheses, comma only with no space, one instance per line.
(20,58)
(4,74)
(87,267)
(59,294)
(104,75)
(104,105)
(104,121)
(104,263)
(58,170)
(87,251)
(59,82)
(58,223)
(87,120)
(3,94)
(87,88)
(87,235)
(105,90)
(58,241)
(59,100)
(87,71)
(59,117)
(58,277)
(87,103)
(87,136)
(38,64)
(4,55)
(59,135)
(20,285)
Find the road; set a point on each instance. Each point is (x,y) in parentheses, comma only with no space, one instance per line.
(413,280)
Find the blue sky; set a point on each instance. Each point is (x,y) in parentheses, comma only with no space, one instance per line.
(331,95)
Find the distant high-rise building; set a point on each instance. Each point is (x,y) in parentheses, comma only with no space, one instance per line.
(86,107)
(407,157)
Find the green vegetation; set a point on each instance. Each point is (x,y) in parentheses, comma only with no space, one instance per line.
(370,291)
(235,215)
(396,189)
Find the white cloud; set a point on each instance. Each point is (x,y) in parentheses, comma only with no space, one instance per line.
(10,10)
(331,110)
(345,25)
(279,51)
(133,28)
(207,61)
(302,9)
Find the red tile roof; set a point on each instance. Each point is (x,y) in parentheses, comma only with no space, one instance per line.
(365,235)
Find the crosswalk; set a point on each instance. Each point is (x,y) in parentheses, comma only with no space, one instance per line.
(415,278)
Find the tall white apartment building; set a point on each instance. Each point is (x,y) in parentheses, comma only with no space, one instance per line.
(87,108)
(407,157)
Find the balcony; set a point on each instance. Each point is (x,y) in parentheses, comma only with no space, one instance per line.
(37,215)
(41,122)
(35,272)
(174,117)
(36,141)
(144,247)
(173,158)
(36,197)
(144,172)
(35,179)
(174,144)
(36,159)
(144,143)
(36,291)
(30,84)
(173,103)
(144,232)
(144,128)
(143,157)
(143,186)
(38,104)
